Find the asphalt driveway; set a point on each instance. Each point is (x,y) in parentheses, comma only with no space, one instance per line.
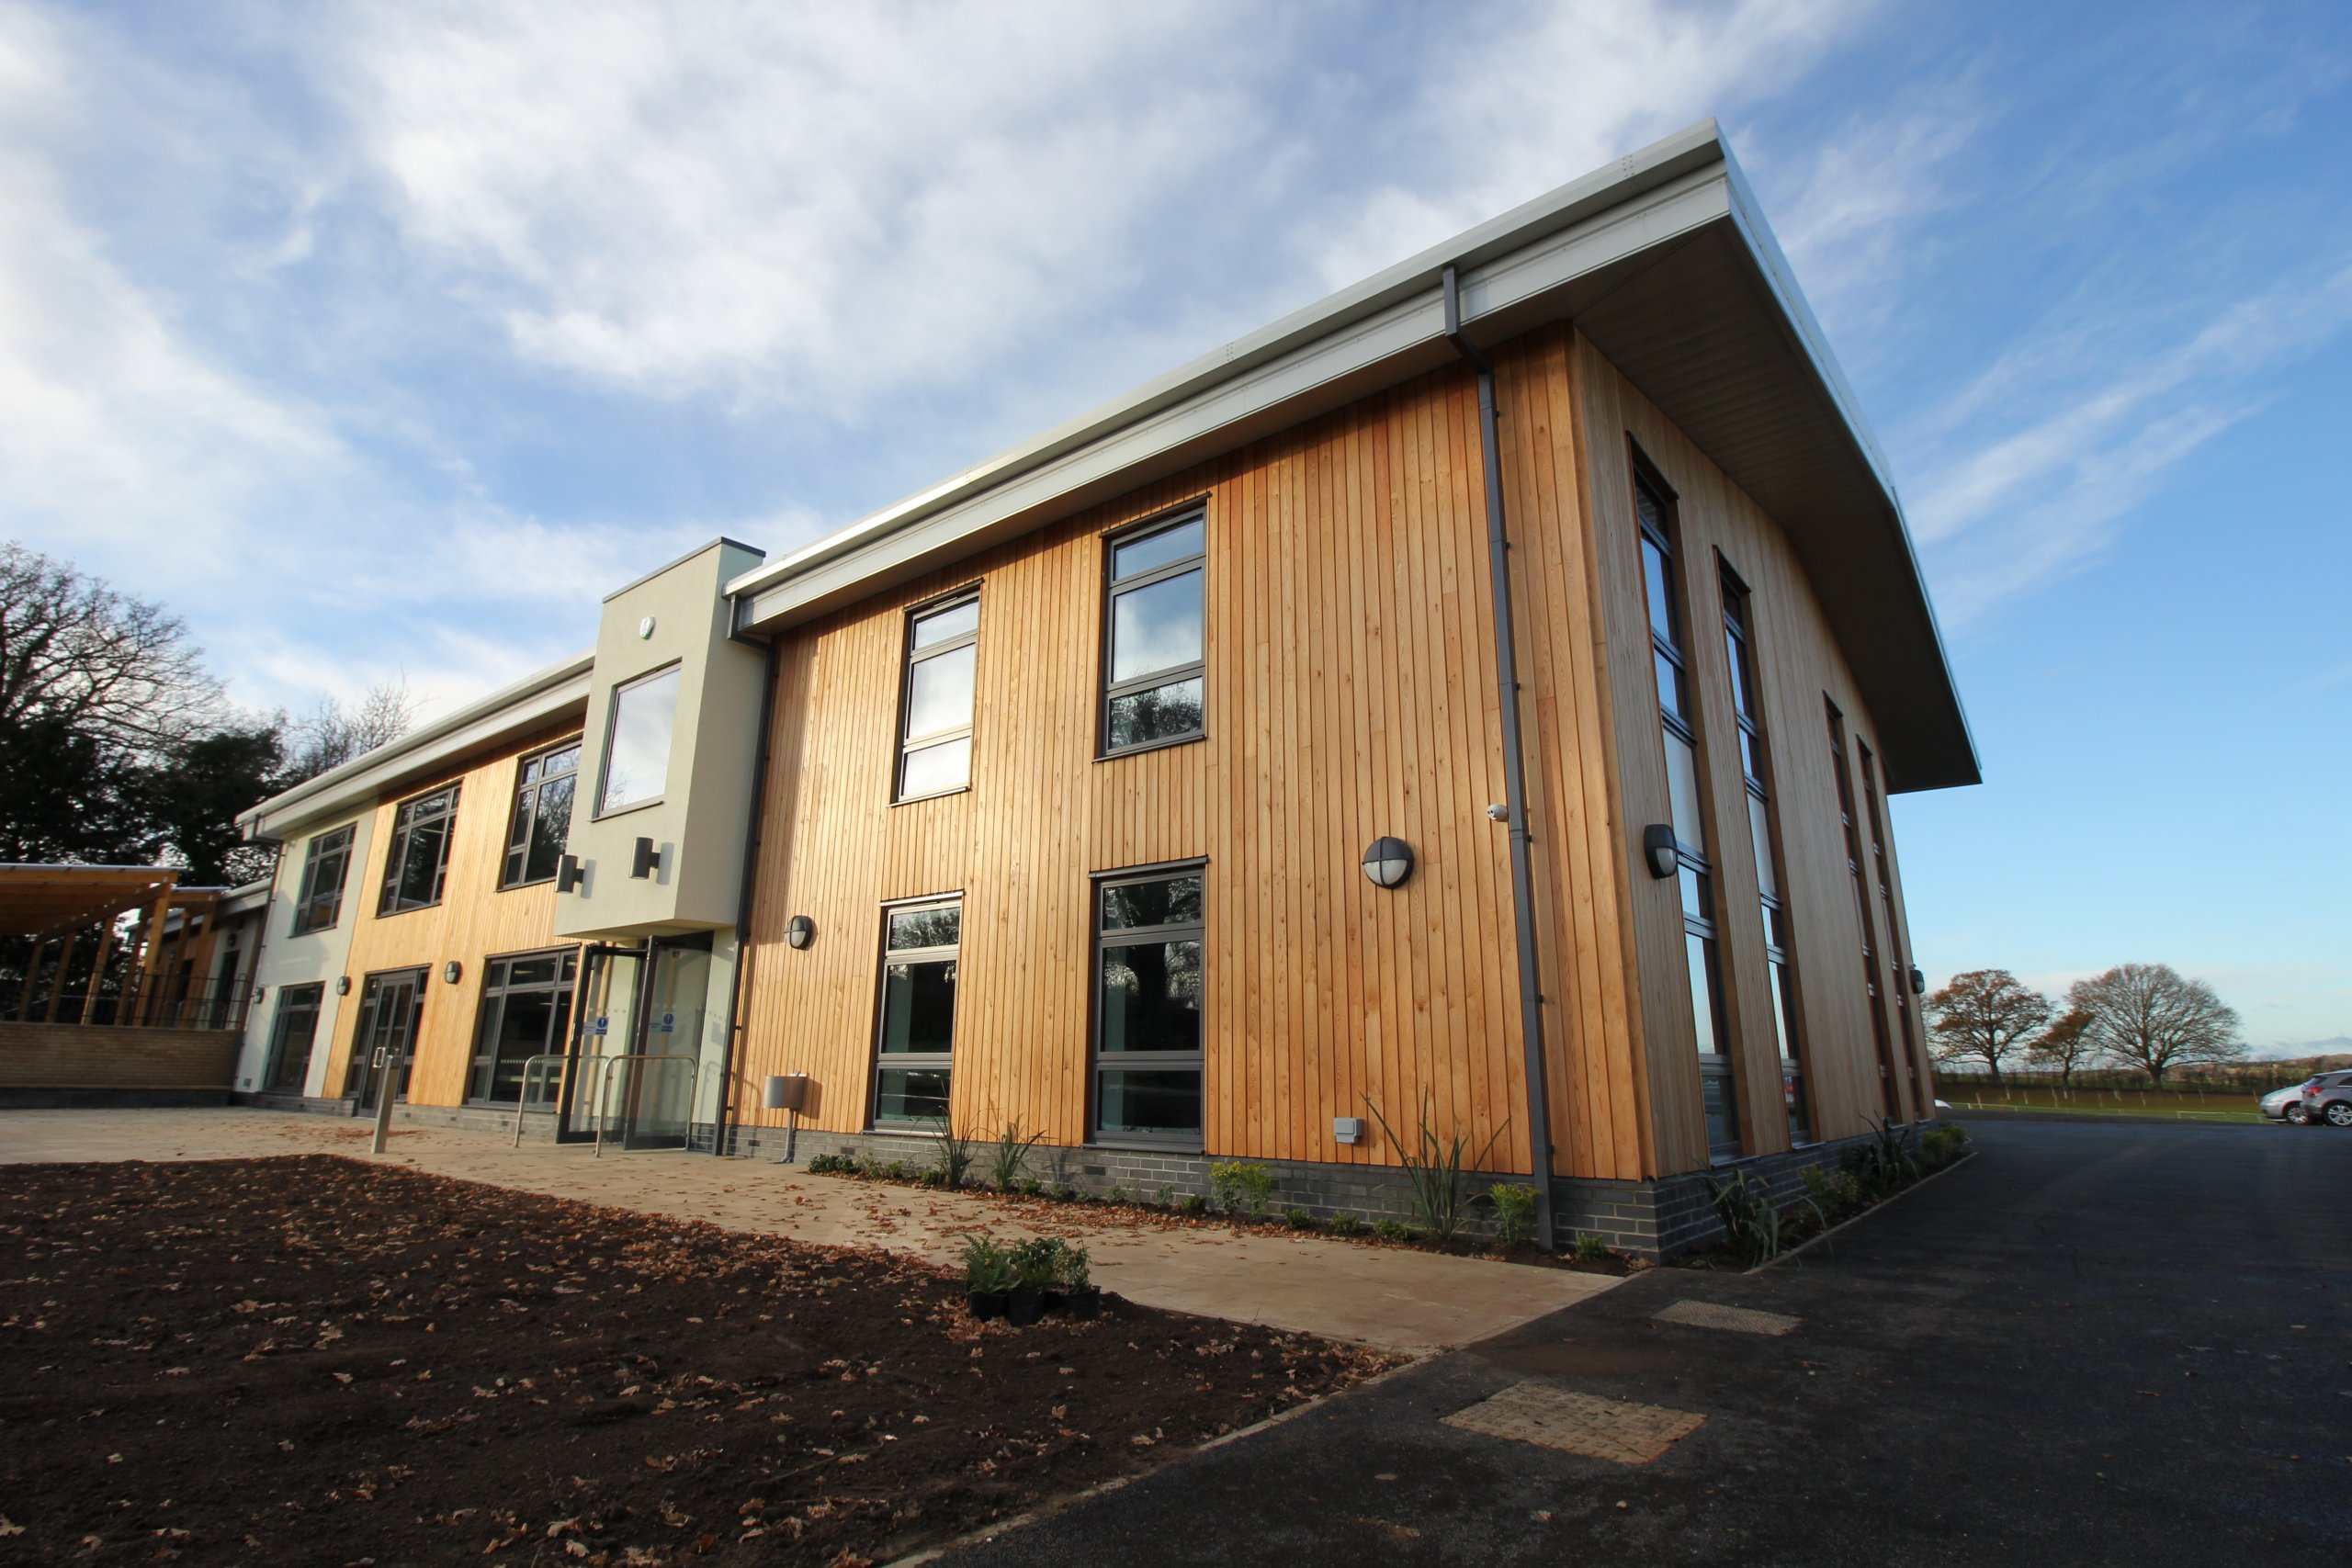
(2091,1343)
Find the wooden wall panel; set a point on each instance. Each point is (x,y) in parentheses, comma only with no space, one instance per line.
(473,921)
(1350,692)
(1798,666)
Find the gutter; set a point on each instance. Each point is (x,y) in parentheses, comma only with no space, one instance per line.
(1522,868)
(751,884)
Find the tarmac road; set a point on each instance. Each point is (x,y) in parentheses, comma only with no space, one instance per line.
(2089,1344)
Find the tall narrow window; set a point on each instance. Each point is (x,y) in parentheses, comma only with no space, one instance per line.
(1897,970)
(920,943)
(417,859)
(1153,685)
(1677,708)
(543,790)
(1147,938)
(324,866)
(1763,826)
(1887,1092)
(935,716)
(292,1033)
(637,746)
(526,1013)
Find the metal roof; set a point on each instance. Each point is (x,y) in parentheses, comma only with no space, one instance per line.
(1663,261)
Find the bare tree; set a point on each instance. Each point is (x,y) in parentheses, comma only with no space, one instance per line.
(2067,1045)
(333,736)
(1985,1015)
(2150,1016)
(76,653)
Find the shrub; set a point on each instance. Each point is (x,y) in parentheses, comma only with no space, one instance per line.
(1071,1271)
(1514,1211)
(1166,1195)
(1885,1165)
(1118,1193)
(1939,1146)
(1046,1263)
(1435,1170)
(895,1171)
(931,1179)
(1009,1162)
(1030,1187)
(1390,1230)
(824,1164)
(1591,1248)
(987,1268)
(953,1163)
(1754,1226)
(1240,1184)
(1298,1219)
(1191,1203)
(1347,1224)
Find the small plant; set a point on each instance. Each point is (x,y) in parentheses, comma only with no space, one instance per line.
(1030,1187)
(1039,1263)
(1010,1160)
(930,1178)
(989,1269)
(895,1170)
(1242,1184)
(1191,1203)
(1165,1196)
(953,1162)
(824,1164)
(1068,1194)
(1118,1193)
(1939,1146)
(1347,1224)
(1435,1170)
(1592,1249)
(1514,1211)
(1298,1219)
(1071,1271)
(1387,1229)
(1885,1165)
(1754,1226)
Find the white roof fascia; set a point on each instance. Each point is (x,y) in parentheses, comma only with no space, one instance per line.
(526,705)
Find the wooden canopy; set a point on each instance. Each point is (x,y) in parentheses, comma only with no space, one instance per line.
(42,901)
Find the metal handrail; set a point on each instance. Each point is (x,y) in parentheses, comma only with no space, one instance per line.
(604,1090)
(523,1096)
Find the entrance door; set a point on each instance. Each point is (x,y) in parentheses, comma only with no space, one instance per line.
(390,1006)
(658,1086)
(604,1024)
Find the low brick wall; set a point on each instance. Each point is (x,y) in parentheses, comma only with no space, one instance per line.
(102,1062)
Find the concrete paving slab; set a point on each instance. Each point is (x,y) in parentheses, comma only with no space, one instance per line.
(1618,1430)
(1736,1319)
(1390,1298)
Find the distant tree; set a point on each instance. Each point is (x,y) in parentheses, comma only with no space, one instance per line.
(331,736)
(2150,1016)
(1984,1015)
(74,650)
(67,796)
(196,794)
(2067,1046)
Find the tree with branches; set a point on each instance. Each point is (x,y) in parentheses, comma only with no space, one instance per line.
(2151,1017)
(2065,1047)
(1984,1015)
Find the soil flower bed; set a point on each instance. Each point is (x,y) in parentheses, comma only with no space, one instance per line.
(311,1359)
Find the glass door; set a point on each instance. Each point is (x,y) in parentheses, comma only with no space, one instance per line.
(390,1006)
(660,1083)
(604,1025)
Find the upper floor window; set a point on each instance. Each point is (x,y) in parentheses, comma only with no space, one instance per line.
(637,743)
(543,791)
(417,859)
(935,716)
(1154,686)
(325,865)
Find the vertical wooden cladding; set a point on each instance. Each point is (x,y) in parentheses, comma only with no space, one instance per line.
(1352,694)
(1798,663)
(473,920)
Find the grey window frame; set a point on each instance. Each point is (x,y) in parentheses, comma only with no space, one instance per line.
(1113,587)
(404,826)
(309,896)
(1890,1097)
(489,1009)
(1898,993)
(528,796)
(612,732)
(314,998)
(912,656)
(912,1061)
(1102,882)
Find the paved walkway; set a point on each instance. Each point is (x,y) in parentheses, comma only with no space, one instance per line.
(1387,1297)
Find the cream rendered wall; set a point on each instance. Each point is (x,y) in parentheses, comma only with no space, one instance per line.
(288,960)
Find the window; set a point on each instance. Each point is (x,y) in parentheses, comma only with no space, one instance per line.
(919,947)
(418,859)
(1155,636)
(1862,911)
(324,866)
(637,744)
(291,1035)
(1147,1009)
(1763,826)
(1899,992)
(526,1013)
(543,790)
(1677,710)
(935,714)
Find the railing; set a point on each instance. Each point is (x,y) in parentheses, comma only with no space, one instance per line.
(132,1001)
(601,1098)
(554,1104)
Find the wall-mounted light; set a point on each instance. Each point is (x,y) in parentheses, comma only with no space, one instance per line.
(1389,862)
(568,873)
(1918,982)
(648,860)
(799,932)
(343,984)
(1658,848)
(451,970)
(645,629)
(259,992)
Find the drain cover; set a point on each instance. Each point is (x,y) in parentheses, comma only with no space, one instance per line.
(1739,1320)
(1612,1429)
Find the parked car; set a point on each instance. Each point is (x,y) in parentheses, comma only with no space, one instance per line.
(2324,1097)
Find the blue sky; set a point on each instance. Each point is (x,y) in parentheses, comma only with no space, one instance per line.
(384,338)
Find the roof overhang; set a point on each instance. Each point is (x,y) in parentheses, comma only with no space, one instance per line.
(42,901)
(533,703)
(1663,260)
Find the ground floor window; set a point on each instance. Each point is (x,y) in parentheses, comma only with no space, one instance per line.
(921,947)
(1148,938)
(292,1035)
(526,1013)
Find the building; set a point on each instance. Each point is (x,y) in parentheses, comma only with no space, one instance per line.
(1473,698)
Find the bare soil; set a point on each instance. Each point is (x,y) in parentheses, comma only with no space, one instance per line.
(308,1359)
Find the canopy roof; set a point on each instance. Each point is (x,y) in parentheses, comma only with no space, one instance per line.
(44,900)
